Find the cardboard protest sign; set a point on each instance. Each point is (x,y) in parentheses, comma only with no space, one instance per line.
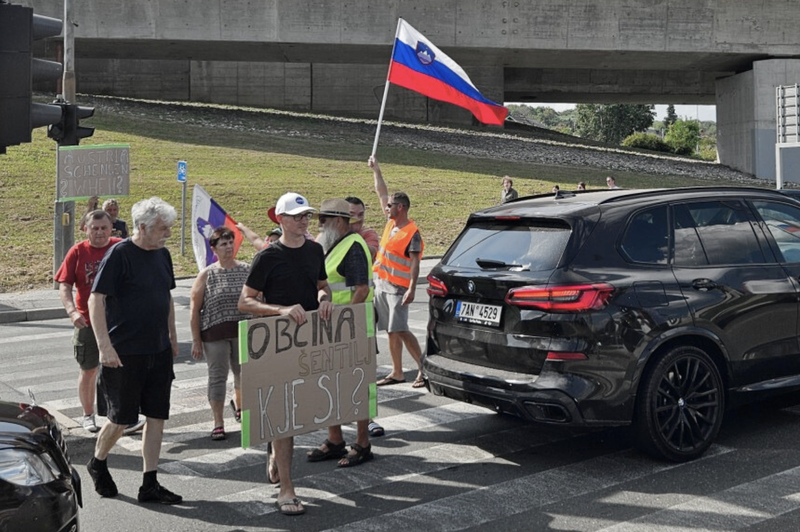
(300,378)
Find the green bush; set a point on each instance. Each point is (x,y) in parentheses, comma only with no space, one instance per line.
(708,148)
(646,141)
(683,136)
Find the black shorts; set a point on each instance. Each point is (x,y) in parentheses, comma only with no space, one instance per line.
(142,384)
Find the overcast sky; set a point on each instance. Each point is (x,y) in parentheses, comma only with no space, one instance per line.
(706,112)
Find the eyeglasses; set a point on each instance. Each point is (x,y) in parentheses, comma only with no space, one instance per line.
(300,217)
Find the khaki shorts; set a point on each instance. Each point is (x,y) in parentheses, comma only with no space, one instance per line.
(392,314)
(85,345)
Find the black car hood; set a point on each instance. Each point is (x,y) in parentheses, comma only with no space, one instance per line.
(19,421)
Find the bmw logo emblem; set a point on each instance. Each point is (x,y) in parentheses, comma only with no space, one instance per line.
(471,287)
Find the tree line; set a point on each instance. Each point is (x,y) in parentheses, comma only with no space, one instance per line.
(630,125)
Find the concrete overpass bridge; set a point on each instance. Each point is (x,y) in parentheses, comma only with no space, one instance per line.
(331,56)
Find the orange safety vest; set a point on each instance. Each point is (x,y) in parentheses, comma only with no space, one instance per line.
(391,263)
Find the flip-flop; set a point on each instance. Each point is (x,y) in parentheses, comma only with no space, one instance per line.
(418,383)
(218,434)
(290,502)
(387,380)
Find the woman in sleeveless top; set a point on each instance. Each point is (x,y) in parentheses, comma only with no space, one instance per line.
(214,322)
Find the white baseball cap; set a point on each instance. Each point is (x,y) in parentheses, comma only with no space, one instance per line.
(293,203)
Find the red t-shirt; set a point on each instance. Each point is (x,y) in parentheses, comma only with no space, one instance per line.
(372,238)
(79,268)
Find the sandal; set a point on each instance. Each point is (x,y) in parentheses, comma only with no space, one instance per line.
(357,456)
(332,450)
(375,430)
(218,434)
(237,412)
(418,383)
(290,502)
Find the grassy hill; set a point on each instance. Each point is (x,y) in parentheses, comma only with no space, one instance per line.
(247,158)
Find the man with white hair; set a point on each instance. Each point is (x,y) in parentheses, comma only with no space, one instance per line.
(133,318)
(349,268)
(290,275)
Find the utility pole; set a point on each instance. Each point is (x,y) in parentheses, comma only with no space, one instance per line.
(67,132)
(64,211)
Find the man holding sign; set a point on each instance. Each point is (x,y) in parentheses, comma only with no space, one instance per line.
(290,274)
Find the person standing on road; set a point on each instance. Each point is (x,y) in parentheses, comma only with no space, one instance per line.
(78,270)
(357,213)
(215,324)
(290,275)
(397,268)
(134,322)
(349,269)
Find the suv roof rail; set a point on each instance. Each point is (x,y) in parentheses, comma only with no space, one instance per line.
(711,191)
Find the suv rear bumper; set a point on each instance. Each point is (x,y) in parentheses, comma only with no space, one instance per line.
(524,396)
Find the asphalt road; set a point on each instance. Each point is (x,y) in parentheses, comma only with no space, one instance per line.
(441,466)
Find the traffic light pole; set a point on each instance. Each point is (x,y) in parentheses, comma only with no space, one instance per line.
(64,211)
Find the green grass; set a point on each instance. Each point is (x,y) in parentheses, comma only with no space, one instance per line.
(246,171)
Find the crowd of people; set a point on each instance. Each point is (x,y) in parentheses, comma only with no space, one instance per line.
(116,290)
(125,336)
(509,193)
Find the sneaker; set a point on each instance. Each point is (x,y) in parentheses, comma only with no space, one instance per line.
(90,424)
(134,427)
(158,493)
(103,483)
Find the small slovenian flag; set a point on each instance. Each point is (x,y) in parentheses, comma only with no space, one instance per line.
(207,215)
(420,66)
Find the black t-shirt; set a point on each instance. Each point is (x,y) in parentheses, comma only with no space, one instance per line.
(137,285)
(288,276)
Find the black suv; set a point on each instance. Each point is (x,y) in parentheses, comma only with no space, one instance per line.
(657,308)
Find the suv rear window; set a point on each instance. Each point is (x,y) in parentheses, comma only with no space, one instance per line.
(517,247)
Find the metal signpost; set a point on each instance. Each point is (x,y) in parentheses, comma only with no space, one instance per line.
(182,179)
(787,99)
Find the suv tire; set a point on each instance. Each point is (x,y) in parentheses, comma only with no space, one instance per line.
(681,405)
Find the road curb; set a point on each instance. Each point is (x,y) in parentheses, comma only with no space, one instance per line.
(12,316)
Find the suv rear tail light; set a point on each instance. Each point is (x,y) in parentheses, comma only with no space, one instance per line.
(436,287)
(570,298)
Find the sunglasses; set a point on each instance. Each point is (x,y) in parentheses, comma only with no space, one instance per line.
(325,217)
(300,217)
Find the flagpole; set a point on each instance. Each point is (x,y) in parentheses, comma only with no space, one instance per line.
(385,90)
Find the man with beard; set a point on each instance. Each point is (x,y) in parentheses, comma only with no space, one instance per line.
(349,269)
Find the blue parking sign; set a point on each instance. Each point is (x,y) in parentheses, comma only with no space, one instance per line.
(181,171)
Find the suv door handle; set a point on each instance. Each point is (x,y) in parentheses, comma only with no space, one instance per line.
(703,285)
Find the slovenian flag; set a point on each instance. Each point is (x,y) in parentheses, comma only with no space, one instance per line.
(420,66)
(207,215)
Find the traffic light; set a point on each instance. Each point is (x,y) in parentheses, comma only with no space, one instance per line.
(19,28)
(68,131)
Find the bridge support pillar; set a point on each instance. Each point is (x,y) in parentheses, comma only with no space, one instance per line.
(746,119)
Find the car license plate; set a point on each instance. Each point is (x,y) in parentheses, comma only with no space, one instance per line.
(478,313)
